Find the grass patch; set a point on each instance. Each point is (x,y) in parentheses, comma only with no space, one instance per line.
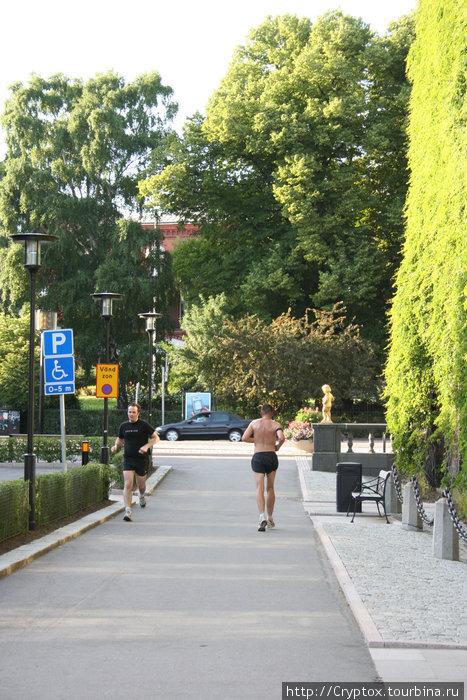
(91,403)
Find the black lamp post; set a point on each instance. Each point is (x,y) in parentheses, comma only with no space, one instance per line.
(32,262)
(107,299)
(150,319)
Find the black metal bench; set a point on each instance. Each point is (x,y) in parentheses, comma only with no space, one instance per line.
(372,490)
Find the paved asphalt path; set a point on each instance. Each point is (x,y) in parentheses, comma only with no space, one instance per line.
(187,601)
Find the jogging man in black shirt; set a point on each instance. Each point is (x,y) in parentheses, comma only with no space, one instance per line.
(138,437)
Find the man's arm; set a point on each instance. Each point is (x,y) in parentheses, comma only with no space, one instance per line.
(248,434)
(154,439)
(118,444)
(280,438)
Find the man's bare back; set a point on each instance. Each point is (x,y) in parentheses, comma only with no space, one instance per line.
(264,432)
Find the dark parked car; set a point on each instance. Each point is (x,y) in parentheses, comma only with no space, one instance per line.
(207,424)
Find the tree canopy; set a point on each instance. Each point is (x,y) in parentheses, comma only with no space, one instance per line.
(426,371)
(75,153)
(297,174)
(248,361)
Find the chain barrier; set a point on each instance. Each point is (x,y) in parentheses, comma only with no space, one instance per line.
(397,483)
(426,519)
(454,517)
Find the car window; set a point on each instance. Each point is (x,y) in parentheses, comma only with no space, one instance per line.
(220,417)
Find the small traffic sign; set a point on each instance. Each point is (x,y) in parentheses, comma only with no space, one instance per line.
(107,380)
(59,364)
(58,343)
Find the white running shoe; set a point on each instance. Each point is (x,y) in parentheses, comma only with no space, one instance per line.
(271,524)
(127,515)
(142,501)
(262,525)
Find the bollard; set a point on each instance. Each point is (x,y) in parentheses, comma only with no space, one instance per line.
(84,453)
(393,505)
(411,519)
(445,537)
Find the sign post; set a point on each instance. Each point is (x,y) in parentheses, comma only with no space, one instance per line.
(59,372)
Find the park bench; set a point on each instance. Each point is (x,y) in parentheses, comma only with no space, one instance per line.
(372,490)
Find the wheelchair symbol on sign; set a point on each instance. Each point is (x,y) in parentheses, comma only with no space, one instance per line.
(58,373)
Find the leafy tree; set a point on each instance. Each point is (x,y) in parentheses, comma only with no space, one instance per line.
(75,153)
(194,366)
(14,363)
(426,370)
(288,360)
(297,174)
(249,361)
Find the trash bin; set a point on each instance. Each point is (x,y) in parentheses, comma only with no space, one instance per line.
(348,474)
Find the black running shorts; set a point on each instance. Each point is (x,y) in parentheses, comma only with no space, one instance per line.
(130,464)
(264,462)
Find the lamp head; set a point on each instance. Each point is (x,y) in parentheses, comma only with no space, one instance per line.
(150,320)
(32,247)
(107,299)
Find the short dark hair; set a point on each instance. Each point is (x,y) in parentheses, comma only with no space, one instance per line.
(135,405)
(267,408)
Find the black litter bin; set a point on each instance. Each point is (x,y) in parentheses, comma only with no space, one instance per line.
(348,474)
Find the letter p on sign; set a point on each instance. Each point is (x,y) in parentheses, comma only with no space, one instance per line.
(57,339)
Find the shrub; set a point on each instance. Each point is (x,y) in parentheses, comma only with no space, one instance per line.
(309,415)
(59,495)
(14,508)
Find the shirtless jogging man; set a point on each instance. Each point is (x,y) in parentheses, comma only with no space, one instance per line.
(268,437)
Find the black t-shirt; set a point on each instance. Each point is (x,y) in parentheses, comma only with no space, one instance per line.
(135,435)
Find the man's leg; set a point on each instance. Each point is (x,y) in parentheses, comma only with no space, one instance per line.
(270,494)
(128,487)
(141,482)
(259,483)
(270,498)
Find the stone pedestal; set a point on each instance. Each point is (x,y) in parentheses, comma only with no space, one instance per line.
(392,503)
(411,519)
(445,537)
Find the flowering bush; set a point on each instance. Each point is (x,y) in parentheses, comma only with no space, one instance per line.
(299,430)
(87,390)
(309,415)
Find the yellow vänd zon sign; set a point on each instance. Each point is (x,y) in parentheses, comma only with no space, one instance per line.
(107,381)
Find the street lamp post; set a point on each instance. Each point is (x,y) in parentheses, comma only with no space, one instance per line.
(150,320)
(32,262)
(106,299)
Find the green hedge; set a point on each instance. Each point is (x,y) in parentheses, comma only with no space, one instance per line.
(47,449)
(14,508)
(60,495)
(57,496)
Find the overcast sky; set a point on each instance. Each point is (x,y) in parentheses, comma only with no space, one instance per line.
(189,42)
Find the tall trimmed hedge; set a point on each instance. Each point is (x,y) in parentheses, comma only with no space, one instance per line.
(426,371)
(57,496)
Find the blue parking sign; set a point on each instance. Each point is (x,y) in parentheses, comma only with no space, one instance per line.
(59,364)
(58,342)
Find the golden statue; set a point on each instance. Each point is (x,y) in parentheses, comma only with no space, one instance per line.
(328,398)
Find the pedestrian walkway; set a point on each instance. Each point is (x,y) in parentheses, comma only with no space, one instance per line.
(187,601)
(410,605)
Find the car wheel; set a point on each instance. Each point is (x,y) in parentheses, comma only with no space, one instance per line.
(171,435)
(235,435)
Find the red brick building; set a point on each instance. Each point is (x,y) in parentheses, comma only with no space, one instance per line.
(172,233)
